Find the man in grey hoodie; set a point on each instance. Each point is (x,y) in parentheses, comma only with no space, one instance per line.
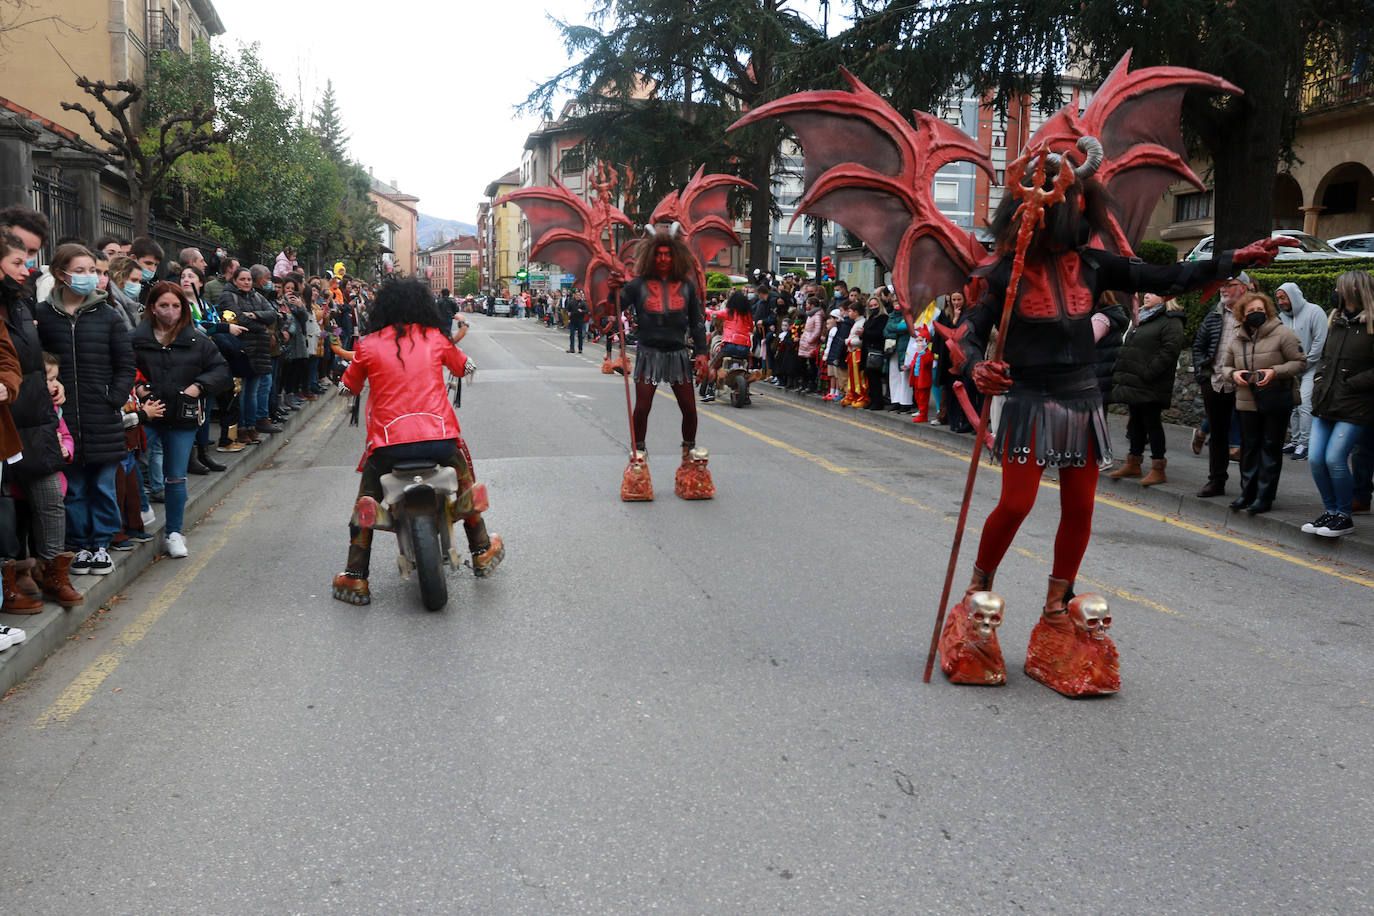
(1308,321)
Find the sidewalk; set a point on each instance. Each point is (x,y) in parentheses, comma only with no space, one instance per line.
(50,628)
(1297,502)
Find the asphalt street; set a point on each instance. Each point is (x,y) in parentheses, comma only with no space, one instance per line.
(687,707)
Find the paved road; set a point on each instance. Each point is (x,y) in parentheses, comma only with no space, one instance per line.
(686,707)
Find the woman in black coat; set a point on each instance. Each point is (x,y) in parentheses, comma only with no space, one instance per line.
(257,315)
(183,368)
(1143,380)
(96,368)
(875,323)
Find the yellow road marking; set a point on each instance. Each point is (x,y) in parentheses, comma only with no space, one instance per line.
(1358,578)
(79,692)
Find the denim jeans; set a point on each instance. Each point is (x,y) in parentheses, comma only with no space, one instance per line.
(1328,456)
(248,401)
(151,464)
(1300,423)
(92,507)
(1362,463)
(265,387)
(575,333)
(175,445)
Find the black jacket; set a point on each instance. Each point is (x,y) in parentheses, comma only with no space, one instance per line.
(31,407)
(257,315)
(872,335)
(1343,386)
(1145,369)
(666,313)
(1109,347)
(97,369)
(192,358)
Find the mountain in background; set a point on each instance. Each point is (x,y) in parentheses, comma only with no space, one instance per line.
(431,227)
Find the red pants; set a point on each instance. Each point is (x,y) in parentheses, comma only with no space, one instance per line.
(858,381)
(1020,485)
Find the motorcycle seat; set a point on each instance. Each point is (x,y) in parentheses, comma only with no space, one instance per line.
(418,464)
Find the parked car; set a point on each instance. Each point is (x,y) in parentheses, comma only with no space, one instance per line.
(1310,248)
(1360,245)
(502,308)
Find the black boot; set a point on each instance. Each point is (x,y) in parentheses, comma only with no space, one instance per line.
(193,466)
(203,455)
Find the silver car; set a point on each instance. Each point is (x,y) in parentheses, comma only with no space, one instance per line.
(1360,245)
(1310,248)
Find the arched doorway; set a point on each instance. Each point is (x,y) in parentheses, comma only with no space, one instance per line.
(1287,202)
(1346,196)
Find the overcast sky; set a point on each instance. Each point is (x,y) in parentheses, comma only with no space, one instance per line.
(426,87)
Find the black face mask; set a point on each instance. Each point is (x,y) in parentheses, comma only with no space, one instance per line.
(1255,320)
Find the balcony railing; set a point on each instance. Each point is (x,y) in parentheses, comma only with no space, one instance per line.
(1335,92)
(163,32)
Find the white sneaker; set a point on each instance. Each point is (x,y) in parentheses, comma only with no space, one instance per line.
(101,564)
(148,517)
(13,634)
(175,545)
(5,642)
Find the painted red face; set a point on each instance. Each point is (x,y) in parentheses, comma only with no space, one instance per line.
(663,260)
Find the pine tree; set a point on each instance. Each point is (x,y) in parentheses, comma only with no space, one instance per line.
(328,124)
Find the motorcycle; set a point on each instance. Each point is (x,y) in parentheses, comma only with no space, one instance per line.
(420,502)
(734,377)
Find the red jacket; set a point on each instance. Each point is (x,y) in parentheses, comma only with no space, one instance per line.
(738,328)
(409,401)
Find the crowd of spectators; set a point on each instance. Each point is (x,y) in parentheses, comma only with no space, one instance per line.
(117,365)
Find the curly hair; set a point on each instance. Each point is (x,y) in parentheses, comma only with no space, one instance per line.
(684,268)
(1068,224)
(401,304)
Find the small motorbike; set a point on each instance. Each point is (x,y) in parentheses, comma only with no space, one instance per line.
(420,502)
(734,378)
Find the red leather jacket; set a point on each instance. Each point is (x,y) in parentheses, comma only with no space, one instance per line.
(409,401)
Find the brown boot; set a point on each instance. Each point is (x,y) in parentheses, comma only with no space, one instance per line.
(15,601)
(351,589)
(53,581)
(484,563)
(1130,469)
(1156,474)
(23,577)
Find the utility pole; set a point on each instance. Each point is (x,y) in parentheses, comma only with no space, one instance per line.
(818,224)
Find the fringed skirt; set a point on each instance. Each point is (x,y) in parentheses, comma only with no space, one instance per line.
(1056,422)
(653,365)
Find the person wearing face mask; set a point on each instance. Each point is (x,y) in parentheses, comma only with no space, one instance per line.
(205,317)
(148,254)
(1218,393)
(1309,323)
(666,308)
(1263,360)
(252,312)
(96,367)
(123,290)
(183,368)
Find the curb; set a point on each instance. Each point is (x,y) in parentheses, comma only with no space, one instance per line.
(49,629)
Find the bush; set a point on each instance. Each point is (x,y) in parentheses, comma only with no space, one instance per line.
(715,281)
(1154,251)
(1316,279)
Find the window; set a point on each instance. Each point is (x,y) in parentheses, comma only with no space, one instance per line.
(999,177)
(999,139)
(946,192)
(573,161)
(1197,205)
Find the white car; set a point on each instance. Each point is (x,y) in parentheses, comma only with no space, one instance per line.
(1310,248)
(1354,246)
(502,308)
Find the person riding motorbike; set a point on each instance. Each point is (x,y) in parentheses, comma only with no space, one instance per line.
(409,418)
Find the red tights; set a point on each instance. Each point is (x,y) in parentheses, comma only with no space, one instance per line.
(644,402)
(1020,484)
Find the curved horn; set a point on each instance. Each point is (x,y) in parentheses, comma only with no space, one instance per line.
(1090,147)
(675,228)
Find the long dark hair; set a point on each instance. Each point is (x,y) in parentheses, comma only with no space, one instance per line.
(401,304)
(738,303)
(684,268)
(166,286)
(1068,224)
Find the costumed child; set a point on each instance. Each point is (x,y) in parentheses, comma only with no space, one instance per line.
(921,364)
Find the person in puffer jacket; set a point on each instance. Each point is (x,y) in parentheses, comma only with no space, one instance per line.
(1308,321)
(96,367)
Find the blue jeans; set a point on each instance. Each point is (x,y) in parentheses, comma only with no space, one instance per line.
(152,461)
(1328,455)
(1362,463)
(92,506)
(176,447)
(248,401)
(265,386)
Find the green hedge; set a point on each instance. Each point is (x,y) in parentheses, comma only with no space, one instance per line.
(716,281)
(1316,279)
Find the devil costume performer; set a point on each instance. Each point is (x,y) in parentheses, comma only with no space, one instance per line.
(870,170)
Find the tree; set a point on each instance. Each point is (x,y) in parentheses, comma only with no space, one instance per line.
(468,286)
(657,88)
(917,53)
(17,15)
(147,148)
(327,122)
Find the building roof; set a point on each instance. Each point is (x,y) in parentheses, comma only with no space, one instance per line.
(511,177)
(208,17)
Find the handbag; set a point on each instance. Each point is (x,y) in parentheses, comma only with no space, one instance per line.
(9,522)
(875,361)
(189,411)
(1276,397)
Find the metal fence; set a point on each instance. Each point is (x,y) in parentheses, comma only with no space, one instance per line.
(1334,92)
(56,199)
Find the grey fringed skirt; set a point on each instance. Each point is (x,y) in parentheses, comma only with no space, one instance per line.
(1056,422)
(653,365)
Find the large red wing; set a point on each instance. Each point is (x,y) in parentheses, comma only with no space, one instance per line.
(1136,116)
(871,171)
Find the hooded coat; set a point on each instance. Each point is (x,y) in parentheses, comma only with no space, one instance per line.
(97,370)
(257,315)
(1144,371)
(1343,388)
(191,358)
(1308,321)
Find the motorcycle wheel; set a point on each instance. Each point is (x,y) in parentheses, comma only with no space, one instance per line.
(424,538)
(741,389)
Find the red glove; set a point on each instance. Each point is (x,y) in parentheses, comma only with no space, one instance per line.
(615,281)
(992,377)
(702,364)
(1261,253)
